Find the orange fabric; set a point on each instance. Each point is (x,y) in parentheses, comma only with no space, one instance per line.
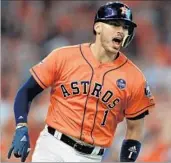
(85,101)
(159,154)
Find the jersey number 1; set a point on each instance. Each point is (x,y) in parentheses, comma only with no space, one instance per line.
(105,117)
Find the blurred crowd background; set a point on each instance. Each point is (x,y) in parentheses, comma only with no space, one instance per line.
(30,30)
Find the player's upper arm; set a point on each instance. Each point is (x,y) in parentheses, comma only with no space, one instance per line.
(131,124)
(135,129)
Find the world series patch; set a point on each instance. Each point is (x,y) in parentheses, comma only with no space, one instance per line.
(121,84)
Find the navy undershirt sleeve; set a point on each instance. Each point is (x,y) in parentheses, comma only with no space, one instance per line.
(24,98)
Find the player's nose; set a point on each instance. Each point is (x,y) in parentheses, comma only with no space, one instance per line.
(120,29)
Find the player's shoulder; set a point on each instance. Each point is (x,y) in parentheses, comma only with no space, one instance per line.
(66,49)
(134,70)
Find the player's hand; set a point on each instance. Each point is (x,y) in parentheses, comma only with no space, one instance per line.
(20,144)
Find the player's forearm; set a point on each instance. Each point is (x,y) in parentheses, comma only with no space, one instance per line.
(132,143)
(21,106)
(24,98)
(135,130)
(135,134)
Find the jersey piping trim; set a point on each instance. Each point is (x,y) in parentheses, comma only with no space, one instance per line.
(34,73)
(88,90)
(98,99)
(139,110)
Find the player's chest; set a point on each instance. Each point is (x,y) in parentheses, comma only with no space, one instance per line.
(99,83)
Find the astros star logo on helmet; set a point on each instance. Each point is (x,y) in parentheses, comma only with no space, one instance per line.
(124,10)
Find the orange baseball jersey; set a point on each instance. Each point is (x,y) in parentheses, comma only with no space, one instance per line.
(88,99)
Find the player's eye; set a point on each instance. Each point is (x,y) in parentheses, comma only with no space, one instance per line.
(118,24)
(126,27)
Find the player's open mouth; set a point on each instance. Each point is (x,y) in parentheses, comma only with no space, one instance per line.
(117,40)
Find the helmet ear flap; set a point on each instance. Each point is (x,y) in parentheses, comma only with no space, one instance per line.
(128,38)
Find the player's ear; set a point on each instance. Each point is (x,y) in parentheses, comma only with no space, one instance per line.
(97,27)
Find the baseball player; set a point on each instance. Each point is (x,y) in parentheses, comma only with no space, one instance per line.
(94,86)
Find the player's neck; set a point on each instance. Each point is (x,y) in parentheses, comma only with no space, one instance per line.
(100,54)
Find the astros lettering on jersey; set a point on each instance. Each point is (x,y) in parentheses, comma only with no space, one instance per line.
(88,99)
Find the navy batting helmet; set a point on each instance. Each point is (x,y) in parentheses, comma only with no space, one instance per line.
(116,11)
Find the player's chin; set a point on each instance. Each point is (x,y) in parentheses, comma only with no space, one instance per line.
(114,49)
